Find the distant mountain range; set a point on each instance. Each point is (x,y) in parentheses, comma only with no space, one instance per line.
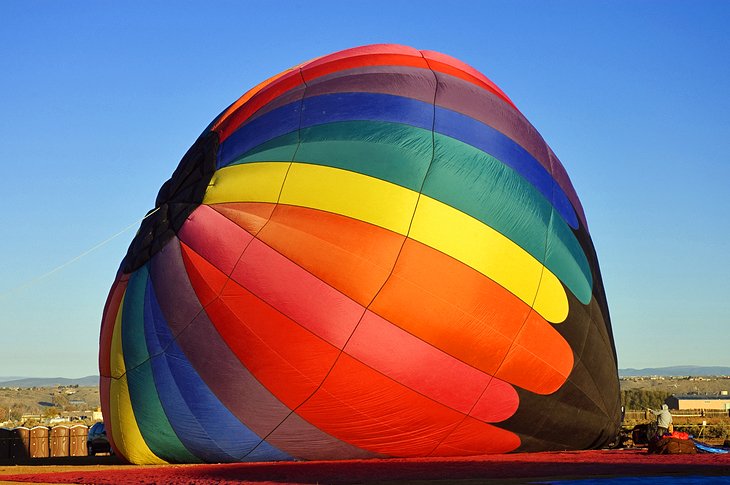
(677,370)
(49,381)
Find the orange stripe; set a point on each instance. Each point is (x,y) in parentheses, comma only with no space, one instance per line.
(467,315)
(249,215)
(349,255)
(540,356)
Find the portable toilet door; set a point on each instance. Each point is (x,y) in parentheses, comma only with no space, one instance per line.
(39,442)
(77,446)
(60,441)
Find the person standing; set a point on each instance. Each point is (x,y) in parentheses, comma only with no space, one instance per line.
(663,420)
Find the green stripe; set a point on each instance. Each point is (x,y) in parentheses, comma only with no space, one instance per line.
(279,149)
(151,418)
(478,184)
(461,176)
(389,151)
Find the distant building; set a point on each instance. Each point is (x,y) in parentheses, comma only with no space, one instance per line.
(692,401)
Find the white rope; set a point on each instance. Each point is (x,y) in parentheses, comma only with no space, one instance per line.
(37,279)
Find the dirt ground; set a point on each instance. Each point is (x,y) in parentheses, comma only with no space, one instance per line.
(515,468)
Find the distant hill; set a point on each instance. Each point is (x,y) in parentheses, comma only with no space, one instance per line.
(10,378)
(87,381)
(678,370)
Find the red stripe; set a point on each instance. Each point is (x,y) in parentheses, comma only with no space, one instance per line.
(371,411)
(287,359)
(314,71)
(207,280)
(372,49)
(109,318)
(469,438)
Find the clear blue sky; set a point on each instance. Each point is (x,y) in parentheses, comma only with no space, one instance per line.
(99,100)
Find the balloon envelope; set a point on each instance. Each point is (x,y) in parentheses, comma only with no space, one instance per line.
(372,254)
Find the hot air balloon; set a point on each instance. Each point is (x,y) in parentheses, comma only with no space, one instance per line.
(372,254)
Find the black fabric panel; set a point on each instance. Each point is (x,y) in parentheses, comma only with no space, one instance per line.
(599,293)
(177,199)
(586,411)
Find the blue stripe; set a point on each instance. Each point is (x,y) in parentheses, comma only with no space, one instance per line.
(148,412)
(204,425)
(274,123)
(329,108)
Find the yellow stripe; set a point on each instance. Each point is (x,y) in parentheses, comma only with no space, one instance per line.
(391,206)
(126,434)
(350,194)
(260,182)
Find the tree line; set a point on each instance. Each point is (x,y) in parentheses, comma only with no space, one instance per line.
(639,399)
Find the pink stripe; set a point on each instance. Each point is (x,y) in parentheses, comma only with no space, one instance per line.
(216,238)
(498,402)
(298,294)
(430,371)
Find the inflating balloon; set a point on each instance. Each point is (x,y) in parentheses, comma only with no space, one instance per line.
(373,254)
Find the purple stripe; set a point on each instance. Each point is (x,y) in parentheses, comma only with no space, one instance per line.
(408,82)
(221,370)
(307,446)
